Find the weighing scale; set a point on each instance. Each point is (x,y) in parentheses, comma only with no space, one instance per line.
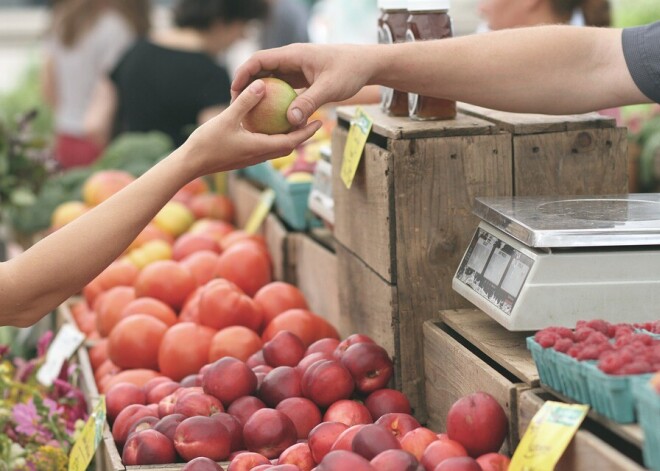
(536,262)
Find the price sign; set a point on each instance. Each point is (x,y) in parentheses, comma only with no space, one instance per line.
(357,139)
(67,341)
(548,436)
(88,441)
(259,214)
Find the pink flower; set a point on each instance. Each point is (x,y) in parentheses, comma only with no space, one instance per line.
(44,343)
(27,422)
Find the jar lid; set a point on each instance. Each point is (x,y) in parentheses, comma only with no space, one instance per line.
(392,4)
(428,5)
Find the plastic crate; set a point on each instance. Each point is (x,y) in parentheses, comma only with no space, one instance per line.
(573,377)
(291,202)
(546,364)
(648,411)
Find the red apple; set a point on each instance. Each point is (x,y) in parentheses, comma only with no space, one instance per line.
(269,432)
(304,414)
(370,366)
(202,436)
(417,440)
(462,463)
(371,440)
(326,382)
(246,461)
(398,424)
(342,460)
(299,455)
(228,379)
(439,451)
(385,401)
(396,460)
(348,342)
(281,383)
(285,349)
(322,437)
(348,412)
(121,396)
(479,423)
(243,408)
(148,447)
(494,462)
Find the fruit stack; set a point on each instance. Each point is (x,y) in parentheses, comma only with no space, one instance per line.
(598,363)
(648,410)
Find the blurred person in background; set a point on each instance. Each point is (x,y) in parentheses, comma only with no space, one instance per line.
(85,40)
(171,81)
(503,14)
(286,24)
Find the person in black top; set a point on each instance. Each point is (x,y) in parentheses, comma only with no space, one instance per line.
(171,82)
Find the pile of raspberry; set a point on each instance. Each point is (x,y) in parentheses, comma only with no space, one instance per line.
(619,348)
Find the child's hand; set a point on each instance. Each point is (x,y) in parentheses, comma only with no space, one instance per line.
(222,144)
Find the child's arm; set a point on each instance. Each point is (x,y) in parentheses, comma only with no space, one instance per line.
(37,281)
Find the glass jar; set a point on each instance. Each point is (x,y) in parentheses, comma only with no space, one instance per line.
(429,19)
(392,27)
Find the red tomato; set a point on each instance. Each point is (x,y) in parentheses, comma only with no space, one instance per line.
(166,280)
(277,297)
(221,305)
(245,264)
(184,350)
(134,342)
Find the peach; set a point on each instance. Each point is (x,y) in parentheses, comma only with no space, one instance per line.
(269,115)
(158,392)
(278,297)
(228,379)
(256,359)
(396,460)
(212,206)
(416,441)
(326,382)
(269,432)
(342,460)
(348,412)
(325,346)
(369,364)
(322,437)
(371,440)
(201,264)
(345,439)
(192,380)
(168,424)
(281,383)
(144,423)
(126,418)
(284,467)
(188,244)
(221,305)
(121,396)
(304,414)
(166,280)
(385,401)
(309,360)
(198,404)
(284,349)
(494,462)
(152,383)
(398,424)
(350,341)
(202,464)
(439,451)
(246,461)
(234,427)
(265,369)
(243,408)
(202,436)
(461,463)
(148,447)
(299,455)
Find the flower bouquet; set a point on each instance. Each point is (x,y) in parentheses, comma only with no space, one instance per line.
(38,424)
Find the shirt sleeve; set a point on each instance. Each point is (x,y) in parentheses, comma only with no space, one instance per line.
(641,49)
(217,89)
(115,36)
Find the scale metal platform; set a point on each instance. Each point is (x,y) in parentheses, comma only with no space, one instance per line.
(535,262)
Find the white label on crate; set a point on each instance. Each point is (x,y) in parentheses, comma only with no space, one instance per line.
(66,342)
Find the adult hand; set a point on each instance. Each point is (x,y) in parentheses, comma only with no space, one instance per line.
(223,144)
(329,73)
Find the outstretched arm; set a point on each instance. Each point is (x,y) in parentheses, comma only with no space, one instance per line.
(37,281)
(546,69)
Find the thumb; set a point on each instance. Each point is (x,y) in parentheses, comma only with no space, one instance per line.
(248,99)
(308,102)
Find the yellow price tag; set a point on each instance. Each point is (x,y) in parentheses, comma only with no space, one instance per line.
(548,436)
(90,436)
(357,139)
(259,214)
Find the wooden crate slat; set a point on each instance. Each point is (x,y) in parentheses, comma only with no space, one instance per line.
(528,123)
(405,128)
(363,213)
(506,348)
(276,241)
(554,163)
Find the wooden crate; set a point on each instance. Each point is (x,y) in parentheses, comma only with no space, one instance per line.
(587,451)
(405,223)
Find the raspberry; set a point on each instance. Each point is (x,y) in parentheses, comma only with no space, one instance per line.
(599,325)
(574,351)
(637,368)
(546,339)
(596,338)
(609,363)
(589,352)
(623,340)
(563,344)
(643,338)
(623,329)
(565,333)
(582,333)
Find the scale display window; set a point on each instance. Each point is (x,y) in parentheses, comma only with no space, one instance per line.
(494,270)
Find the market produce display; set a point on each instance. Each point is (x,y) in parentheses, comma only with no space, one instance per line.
(38,424)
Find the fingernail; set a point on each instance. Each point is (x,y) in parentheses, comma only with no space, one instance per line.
(297,115)
(257,86)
